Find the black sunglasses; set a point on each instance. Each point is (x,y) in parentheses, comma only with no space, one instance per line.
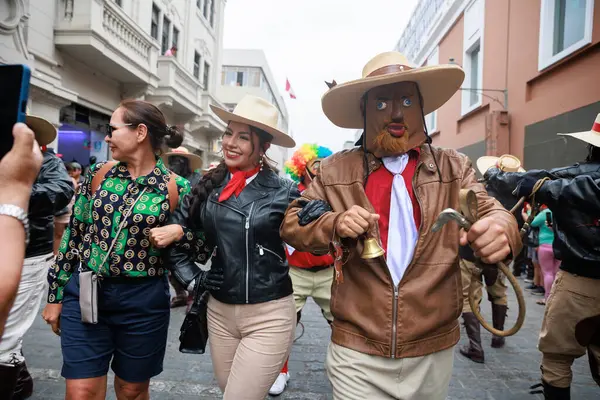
(111,128)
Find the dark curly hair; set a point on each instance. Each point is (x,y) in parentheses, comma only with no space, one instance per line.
(216,176)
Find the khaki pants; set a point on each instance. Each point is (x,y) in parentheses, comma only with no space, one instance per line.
(572,299)
(313,284)
(359,376)
(496,292)
(249,344)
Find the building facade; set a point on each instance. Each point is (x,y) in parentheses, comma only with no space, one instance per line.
(88,55)
(531,72)
(247,72)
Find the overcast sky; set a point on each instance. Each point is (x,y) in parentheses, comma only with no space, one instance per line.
(311,41)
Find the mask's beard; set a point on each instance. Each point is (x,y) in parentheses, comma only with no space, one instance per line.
(388,144)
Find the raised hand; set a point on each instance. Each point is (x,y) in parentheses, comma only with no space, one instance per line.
(354,222)
(488,239)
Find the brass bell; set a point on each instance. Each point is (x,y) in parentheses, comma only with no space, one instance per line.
(371,249)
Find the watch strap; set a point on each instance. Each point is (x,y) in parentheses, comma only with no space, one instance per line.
(17,212)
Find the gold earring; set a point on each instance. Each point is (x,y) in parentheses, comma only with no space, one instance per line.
(261,162)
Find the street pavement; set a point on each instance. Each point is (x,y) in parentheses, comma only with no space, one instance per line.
(506,374)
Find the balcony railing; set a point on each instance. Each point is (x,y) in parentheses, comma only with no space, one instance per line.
(177,89)
(101,35)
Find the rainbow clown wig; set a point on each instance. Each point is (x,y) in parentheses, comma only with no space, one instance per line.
(296,166)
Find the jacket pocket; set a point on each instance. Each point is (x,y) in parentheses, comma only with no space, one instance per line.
(262,251)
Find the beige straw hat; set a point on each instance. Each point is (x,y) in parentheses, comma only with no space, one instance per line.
(44,131)
(437,84)
(257,112)
(592,136)
(194,160)
(506,163)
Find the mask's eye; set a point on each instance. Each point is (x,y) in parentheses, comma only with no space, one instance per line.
(407,102)
(381,105)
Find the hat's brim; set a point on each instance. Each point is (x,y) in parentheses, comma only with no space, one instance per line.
(279,138)
(437,84)
(195,160)
(44,131)
(589,137)
(486,162)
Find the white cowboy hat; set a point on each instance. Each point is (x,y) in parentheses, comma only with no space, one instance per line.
(44,131)
(592,136)
(506,163)
(437,84)
(194,160)
(257,112)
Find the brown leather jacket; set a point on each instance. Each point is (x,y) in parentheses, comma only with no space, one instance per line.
(420,315)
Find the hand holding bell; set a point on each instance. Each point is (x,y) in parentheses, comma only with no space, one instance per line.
(355,222)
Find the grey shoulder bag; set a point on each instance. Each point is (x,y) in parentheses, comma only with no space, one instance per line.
(88,280)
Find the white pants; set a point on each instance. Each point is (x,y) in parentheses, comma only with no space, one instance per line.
(32,288)
(359,376)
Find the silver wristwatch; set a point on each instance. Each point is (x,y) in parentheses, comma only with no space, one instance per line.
(17,212)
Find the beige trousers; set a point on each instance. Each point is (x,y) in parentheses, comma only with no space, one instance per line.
(249,344)
(313,284)
(572,299)
(359,376)
(496,292)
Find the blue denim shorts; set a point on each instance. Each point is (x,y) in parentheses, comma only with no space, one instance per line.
(133,322)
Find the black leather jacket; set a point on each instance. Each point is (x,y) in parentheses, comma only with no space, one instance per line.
(573,196)
(245,234)
(51,192)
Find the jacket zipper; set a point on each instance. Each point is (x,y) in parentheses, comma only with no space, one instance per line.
(261,251)
(248,250)
(397,288)
(394,321)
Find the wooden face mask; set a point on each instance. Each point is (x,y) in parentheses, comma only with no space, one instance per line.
(394,119)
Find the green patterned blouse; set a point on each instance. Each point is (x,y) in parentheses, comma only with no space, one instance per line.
(95,223)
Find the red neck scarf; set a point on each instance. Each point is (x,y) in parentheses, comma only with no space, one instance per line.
(237,182)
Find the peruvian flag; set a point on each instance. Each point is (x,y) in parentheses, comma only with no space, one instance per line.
(288,88)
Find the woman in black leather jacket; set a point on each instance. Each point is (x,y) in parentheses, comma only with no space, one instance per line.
(572,317)
(239,206)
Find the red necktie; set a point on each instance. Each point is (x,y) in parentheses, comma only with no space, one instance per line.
(237,182)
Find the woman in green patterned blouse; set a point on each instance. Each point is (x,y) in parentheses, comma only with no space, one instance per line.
(108,234)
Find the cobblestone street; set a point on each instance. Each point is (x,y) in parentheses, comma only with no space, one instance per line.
(507,373)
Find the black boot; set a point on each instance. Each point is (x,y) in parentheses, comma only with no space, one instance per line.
(24,386)
(473,350)
(552,392)
(498,317)
(8,380)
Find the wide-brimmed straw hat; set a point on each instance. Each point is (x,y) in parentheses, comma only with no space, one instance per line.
(506,163)
(44,131)
(592,136)
(437,84)
(257,112)
(194,160)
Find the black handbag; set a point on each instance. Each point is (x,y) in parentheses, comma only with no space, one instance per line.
(194,330)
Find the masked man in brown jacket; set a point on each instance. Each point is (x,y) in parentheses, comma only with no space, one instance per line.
(395,316)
